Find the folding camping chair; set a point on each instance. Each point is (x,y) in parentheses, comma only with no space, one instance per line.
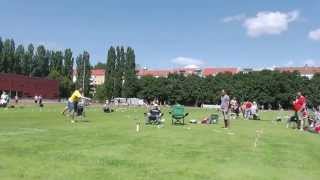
(178,114)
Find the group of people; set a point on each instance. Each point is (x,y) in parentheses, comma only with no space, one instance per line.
(302,115)
(38,100)
(232,108)
(248,109)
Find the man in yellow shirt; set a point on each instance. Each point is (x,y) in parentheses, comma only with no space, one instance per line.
(73,100)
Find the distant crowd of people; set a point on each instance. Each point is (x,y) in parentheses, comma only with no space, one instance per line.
(232,109)
(302,115)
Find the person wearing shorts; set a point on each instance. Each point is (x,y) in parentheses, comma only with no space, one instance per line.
(300,104)
(72,104)
(225,108)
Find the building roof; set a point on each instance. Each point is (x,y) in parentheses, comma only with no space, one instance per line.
(215,71)
(98,72)
(301,70)
(154,73)
(94,72)
(166,72)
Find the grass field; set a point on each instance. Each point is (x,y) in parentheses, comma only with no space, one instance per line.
(45,145)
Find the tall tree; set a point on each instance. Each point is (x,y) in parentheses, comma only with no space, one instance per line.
(19,59)
(28,61)
(110,72)
(84,75)
(122,70)
(56,62)
(1,48)
(8,56)
(68,64)
(117,74)
(41,62)
(130,79)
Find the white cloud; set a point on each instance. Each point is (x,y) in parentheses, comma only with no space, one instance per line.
(315,35)
(192,66)
(186,61)
(238,17)
(269,23)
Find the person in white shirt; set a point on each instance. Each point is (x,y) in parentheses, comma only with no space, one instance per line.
(36,99)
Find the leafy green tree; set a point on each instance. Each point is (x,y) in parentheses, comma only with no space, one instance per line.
(65,84)
(41,62)
(8,59)
(68,63)
(19,59)
(83,72)
(313,93)
(100,93)
(27,62)
(129,88)
(1,50)
(110,73)
(56,62)
(118,73)
(148,88)
(100,65)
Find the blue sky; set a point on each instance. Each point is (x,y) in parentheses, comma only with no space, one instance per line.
(171,33)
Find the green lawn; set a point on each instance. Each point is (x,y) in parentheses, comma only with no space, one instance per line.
(45,145)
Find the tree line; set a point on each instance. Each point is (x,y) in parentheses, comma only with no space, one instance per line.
(265,87)
(268,88)
(41,62)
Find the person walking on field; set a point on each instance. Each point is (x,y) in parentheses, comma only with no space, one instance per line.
(225,108)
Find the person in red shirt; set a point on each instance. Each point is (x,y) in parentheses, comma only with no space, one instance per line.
(248,106)
(299,106)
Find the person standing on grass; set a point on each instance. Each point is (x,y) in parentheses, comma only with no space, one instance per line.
(225,108)
(234,106)
(16,98)
(40,101)
(248,109)
(36,99)
(299,107)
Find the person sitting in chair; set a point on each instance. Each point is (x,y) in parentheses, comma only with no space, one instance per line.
(107,107)
(154,115)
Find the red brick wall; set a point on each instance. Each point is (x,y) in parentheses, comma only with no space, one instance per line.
(29,86)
